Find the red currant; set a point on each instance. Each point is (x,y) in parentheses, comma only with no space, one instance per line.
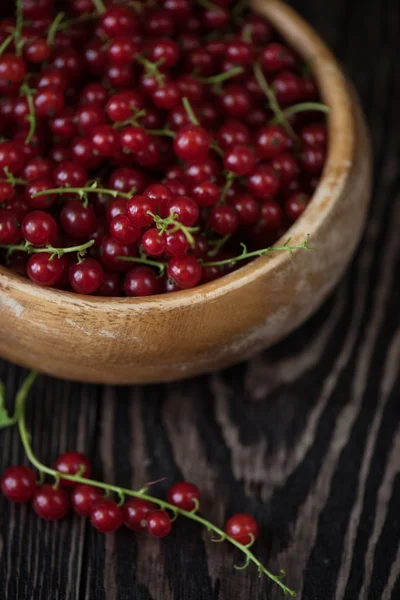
(86,277)
(106,515)
(141,281)
(159,523)
(50,503)
(83,498)
(184,495)
(185,271)
(243,528)
(135,512)
(18,483)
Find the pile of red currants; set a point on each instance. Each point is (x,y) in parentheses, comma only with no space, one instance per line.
(149,147)
(53,502)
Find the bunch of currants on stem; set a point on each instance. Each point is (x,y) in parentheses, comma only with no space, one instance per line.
(73,488)
(150,147)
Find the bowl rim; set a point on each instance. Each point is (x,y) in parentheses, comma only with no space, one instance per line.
(341,148)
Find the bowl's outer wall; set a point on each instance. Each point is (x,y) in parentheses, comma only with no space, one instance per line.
(185,334)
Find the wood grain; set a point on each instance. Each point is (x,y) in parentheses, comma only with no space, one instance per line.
(306,435)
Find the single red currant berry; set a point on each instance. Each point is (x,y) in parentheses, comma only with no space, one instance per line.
(50,503)
(141,281)
(138,209)
(312,160)
(123,230)
(134,139)
(117,21)
(110,251)
(287,87)
(233,133)
(239,52)
(223,219)
(89,116)
(39,228)
(10,232)
(83,498)
(12,68)
(236,101)
(176,243)
(122,51)
(123,105)
(18,483)
(135,512)
(106,515)
(105,140)
(112,286)
(44,269)
(38,168)
(93,93)
(200,170)
(243,528)
(11,157)
(63,125)
(127,180)
(271,215)
(247,209)
(206,193)
(285,165)
(184,495)
(153,242)
(6,191)
(159,523)
(276,57)
(158,23)
(314,135)
(72,463)
(164,50)
(77,220)
(184,209)
(86,277)
(48,101)
(115,208)
(159,194)
(70,174)
(166,96)
(177,187)
(185,271)
(263,181)
(240,160)
(37,51)
(39,185)
(192,143)
(271,141)
(295,205)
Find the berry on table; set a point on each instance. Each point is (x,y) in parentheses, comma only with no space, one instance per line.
(106,515)
(135,513)
(72,463)
(184,495)
(18,483)
(83,497)
(51,503)
(159,523)
(243,528)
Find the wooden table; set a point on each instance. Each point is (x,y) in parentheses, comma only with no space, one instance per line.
(305,436)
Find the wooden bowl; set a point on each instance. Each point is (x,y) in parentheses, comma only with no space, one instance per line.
(187,333)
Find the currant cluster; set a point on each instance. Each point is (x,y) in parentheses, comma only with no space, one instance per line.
(53,502)
(176,137)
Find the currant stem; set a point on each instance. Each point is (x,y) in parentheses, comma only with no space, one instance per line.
(165,132)
(145,261)
(218,244)
(49,249)
(18,27)
(215,79)
(189,110)
(272,101)
(171,224)
(303,107)
(121,492)
(54,28)
(245,255)
(86,190)
(6,43)
(228,184)
(99,6)
(71,22)
(31,118)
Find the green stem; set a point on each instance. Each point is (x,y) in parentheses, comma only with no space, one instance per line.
(208,5)
(31,118)
(86,190)
(228,184)
(71,22)
(151,67)
(54,28)
(302,107)
(221,77)
(99,6)
(145,261)
(171,224)
(49,249)
(218,244)
(189,110)
(122,492)
(6,43)
(272,101)
(165,132)
(18,27)
(246,255)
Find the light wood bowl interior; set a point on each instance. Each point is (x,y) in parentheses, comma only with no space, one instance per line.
(126,341)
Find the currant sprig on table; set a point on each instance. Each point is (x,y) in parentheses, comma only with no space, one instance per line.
(139,510)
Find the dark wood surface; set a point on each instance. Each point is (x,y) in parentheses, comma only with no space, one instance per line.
(305,436)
